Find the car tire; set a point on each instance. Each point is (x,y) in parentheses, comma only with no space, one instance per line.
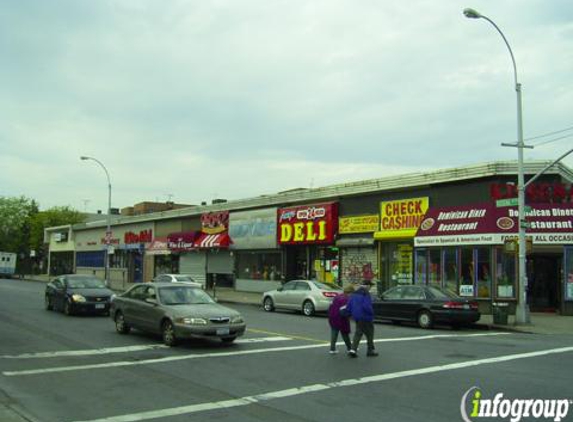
(268,304)
(120,325)
(168,334)
(425,319)
(68,308)
(228,340)
(48,303)
(308,308)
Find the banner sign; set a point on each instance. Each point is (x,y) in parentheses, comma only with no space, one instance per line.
(401,219)
(482,224)
(214,222)
(359,224)
(307,224)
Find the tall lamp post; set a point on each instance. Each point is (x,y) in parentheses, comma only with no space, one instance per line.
(108,230)
(522,311)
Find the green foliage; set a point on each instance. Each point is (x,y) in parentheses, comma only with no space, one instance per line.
(22,224)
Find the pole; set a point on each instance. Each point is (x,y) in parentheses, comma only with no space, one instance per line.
(522,310)
(108,220)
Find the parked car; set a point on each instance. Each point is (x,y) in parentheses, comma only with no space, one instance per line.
(425,305)
(176,311)
(176,278)
(307,296)
(76,293)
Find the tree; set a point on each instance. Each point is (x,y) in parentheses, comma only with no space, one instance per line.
(15,215)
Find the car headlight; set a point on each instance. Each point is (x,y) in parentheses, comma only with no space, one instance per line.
(237,320)
(192,321)
(78,298)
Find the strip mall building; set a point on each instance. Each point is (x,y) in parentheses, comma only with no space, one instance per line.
(455,228)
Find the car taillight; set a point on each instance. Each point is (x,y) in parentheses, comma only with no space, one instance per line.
(453,305)
(329,294)
(474,305)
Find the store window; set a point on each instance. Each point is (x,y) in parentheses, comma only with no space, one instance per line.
(568,273)
(467,280)
(435,267)
(506,274)
(93,259)
(166,264)
(118,259)
(258,265)
(421,266)
(450,259)
(400,262)
(484,272)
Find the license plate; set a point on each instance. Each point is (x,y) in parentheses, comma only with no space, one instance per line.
(222,331)
(100,306)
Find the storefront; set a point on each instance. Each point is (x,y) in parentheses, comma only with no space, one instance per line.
(258,260)
(163,259)
(472,250)
(184,258)
(307,235)
(358,253)
(212,250)
(399,222)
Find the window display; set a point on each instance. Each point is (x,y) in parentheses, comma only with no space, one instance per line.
(259,265)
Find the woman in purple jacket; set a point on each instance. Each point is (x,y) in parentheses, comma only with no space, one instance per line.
(338,323)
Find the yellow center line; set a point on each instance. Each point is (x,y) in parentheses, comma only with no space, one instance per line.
(254,330)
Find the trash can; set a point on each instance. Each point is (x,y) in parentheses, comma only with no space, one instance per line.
(500,313)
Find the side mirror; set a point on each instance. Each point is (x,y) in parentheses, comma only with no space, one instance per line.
(280,289)
(151,300)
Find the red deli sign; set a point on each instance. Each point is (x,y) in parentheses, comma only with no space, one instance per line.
(307,224)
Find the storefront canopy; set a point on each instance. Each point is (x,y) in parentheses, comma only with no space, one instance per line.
(486,223)
(219,240)
(182,241)
(158,247)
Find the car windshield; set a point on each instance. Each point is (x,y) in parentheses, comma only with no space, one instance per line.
(183,278)
(442,293)
(85,283)
(184,296)
(324,286)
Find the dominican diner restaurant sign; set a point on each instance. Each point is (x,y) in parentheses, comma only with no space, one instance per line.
(307,224)
(400,219)
(487,224)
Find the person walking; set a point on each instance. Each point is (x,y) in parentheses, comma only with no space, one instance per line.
(338,322)
(360,308)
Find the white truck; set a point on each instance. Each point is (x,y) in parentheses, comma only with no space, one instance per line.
(7,264)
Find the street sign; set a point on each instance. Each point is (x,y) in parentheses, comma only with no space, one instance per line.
(508,202)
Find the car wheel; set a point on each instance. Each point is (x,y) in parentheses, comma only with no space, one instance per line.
(425,319)
(308,308)
(120,325)
(168,332)
(268,304)
(68,308)
(228,339)
(48,303)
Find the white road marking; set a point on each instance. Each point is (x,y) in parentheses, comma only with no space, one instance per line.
(291,392)
(222,354)
(108,350)
(101,351)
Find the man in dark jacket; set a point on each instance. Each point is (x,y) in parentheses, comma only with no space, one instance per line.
(360,308)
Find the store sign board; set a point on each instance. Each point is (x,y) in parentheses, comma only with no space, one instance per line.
(358,224)
(400,219)
(307,224)
(254,229)
(483,224)
(214,222)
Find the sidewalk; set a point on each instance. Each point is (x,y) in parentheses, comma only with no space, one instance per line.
(541,323)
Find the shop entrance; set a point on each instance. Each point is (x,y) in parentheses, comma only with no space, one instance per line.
(543,276)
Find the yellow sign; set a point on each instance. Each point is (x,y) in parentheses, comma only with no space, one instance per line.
(401,219)
(361,224)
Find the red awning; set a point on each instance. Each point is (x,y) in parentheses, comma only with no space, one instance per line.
(220,240)
(181,241)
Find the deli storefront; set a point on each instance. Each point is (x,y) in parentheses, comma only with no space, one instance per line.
(307,235)
(472,250)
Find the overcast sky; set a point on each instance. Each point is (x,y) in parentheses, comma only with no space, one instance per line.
(194,100)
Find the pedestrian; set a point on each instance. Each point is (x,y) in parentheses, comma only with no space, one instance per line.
(360,308)
(339,322)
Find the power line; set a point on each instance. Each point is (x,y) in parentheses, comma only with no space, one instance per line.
(553,140)
(549,134)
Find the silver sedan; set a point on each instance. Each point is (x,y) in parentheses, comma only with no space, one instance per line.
(176,311)
(307,296)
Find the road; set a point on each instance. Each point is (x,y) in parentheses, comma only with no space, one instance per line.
(55,368)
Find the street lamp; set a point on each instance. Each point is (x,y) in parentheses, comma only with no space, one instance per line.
(108,230)
(522,311)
